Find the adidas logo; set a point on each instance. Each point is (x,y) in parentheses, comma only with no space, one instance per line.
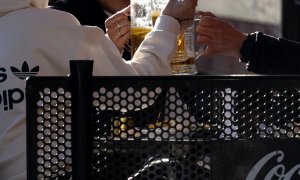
(25,72)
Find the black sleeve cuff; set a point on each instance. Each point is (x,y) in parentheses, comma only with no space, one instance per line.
(247,48)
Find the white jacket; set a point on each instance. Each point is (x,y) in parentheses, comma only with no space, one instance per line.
(39,41)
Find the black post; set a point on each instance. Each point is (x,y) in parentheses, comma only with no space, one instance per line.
(81,80)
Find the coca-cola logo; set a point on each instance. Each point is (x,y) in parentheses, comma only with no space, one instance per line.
(277,172)
(263,159)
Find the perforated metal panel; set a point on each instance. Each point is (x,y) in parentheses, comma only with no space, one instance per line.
(49,129)
(154,128)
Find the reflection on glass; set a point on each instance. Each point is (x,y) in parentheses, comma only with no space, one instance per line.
(141,22)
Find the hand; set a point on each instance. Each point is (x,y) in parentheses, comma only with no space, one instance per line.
(118,28)
(182,10)
(219,35)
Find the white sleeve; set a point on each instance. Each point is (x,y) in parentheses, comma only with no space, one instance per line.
(152,58)
(67,40)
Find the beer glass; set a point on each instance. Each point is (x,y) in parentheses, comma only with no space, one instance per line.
(156,7)
(183,63)
(141,22)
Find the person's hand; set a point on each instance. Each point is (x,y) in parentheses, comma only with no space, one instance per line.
(118,28)
(182,10)
(219,35)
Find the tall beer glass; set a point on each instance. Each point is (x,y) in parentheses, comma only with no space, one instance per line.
(184,60)
(141,22)
(183,63)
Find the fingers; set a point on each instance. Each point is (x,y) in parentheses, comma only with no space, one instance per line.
(213,33)
(203,39)
(181,10)
(219,35)
(205,13)
(211,43)
(124,39)
(126,11)
(207,21)
(210,34)
(118,29)
(111,21)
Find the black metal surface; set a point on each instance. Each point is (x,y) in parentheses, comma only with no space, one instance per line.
(290,20)
(81,81)
(158,127)
(49,146)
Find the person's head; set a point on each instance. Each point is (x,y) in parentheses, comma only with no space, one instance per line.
(112,6)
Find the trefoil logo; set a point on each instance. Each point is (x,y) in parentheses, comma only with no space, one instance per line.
(24,72)
(12,96)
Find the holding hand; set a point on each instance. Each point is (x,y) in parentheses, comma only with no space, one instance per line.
(118,28)
(182,10)
(219,35)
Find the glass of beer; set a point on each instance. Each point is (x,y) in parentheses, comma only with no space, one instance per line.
(141,22)
(154,15)
(156,7)
(184,61)
(138,34)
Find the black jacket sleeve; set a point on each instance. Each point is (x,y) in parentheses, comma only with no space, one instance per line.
(270,55)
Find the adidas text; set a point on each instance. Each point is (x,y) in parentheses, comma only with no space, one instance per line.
(10,97)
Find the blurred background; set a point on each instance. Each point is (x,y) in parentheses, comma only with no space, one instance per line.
(280,18)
